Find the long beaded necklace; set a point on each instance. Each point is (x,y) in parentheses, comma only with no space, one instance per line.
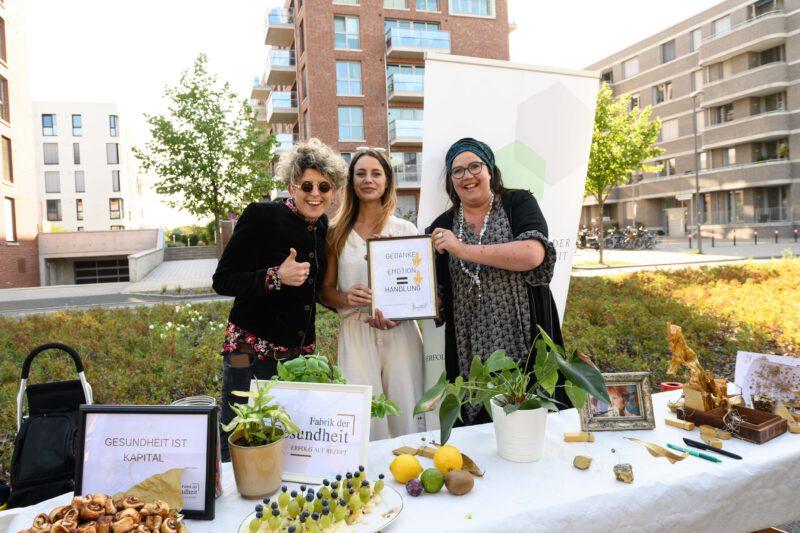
(475,277)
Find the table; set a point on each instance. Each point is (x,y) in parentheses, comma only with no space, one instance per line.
(693,495)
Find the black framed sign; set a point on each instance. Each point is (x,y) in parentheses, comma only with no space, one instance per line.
(402,277)
(120,446)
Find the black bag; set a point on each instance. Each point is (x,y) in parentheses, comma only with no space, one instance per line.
(43,463)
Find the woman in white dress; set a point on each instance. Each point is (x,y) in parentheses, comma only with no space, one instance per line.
(372,350)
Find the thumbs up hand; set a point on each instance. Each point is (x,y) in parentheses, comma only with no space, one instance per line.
(293,273)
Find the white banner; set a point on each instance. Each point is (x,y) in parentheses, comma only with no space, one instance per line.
(538,121)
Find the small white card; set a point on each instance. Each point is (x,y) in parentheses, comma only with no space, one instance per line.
(775,375)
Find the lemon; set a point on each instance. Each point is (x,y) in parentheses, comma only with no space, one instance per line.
(405,467)
(447,458)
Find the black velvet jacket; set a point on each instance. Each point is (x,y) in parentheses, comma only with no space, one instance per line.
(262,238)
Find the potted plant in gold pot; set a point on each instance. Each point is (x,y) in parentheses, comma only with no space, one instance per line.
(257,442)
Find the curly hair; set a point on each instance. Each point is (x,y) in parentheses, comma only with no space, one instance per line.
(313,154)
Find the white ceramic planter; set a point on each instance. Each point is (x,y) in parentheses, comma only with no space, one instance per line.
(520,435)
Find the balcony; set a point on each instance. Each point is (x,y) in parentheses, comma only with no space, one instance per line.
(761,80)
(404,43)
(408,176)
(279,27)
(285,142)
(260,90)
(755,127)
(281,68)
(766,30)
(405,87)
(260,107)
(405,133)
(282,107)
(745,175)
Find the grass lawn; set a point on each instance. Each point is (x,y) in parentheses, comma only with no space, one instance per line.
(153,355)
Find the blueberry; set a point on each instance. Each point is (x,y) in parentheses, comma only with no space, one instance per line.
(338,477)
(266,501)
(293,494)
(259,507)
(259,514)
(319,494)
(292,529)
(326,482)
(315,516)
(276,512)
(365,483)
(325,511)
(342,502)
(302,488)
(334,495)
(360,468)
(381,476)
(348,475)
(284,488)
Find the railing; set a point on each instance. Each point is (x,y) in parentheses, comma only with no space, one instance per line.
(743,23)
(281,58)
(405,83)
(407,174)
(771,214)
(437,40)
(400,130)
(279,15)
(281,101)
(286,141)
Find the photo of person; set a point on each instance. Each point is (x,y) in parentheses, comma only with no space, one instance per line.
(624,403)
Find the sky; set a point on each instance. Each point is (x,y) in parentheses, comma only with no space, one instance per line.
(125,51)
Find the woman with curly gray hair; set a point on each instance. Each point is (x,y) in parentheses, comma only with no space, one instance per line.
(273,266)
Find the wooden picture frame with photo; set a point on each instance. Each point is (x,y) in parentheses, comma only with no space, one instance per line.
(631,407)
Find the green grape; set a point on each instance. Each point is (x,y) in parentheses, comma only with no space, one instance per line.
(325,521)
(293,508)
(364,493)
(378,486)
(254,525)
(339,513)
(274,522)
(355,502)
(312,527)
(283,500)
(318,505)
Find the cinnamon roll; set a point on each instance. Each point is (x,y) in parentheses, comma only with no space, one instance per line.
(132,502)
(103,524)
(92,511)
(133,514)
(58,513)
(124,525)
(170,525)
(64,526)
(71,514)
(79,502)
(154,522)
(158,507)
(41,524)
(88,527)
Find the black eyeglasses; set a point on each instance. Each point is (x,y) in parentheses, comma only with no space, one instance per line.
(474,168)
(323,186)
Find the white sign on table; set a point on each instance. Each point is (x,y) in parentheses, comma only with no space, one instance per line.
(402,277)
(120,446)
(775,375)
(334,428)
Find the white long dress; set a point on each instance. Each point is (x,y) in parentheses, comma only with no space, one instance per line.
(392,360)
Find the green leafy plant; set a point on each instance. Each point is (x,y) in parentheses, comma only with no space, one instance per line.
(318,369)
(515,387)
(262,422)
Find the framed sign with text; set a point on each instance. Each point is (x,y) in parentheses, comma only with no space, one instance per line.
(120,446)
(402,277)
(334,424)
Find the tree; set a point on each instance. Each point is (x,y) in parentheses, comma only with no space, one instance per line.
(207,148)
(622,140)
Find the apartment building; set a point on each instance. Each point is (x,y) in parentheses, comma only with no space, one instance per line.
(351,72)
(737,66)
(81,168)
(19,265)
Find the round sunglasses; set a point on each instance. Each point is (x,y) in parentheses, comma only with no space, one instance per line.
(322,186)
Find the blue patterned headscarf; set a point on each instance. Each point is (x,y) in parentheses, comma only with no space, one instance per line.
(468,144)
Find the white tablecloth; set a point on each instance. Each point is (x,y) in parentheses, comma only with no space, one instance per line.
(694,495)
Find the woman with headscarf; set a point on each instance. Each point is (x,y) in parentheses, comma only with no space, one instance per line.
(372,350)
(273,265)
(494,266)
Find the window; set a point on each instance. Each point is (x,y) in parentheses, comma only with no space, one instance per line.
(80,181)
(348,78)
(696,80)
(667,167)
(407,167)
(52,182)
(103,271)
(764,151)
(607,77)
(79,209)
(427,5)
(700,121)
(728,157)
(770,55)
(113,125)
(79,228)
(117,228)
(721,114)
(115,208)
(306,125)
(695,37)
(418,70)
(634,102)
(351,123)
(409,25)
(734,206)
(5,109)
(630,68)
(405,113)
(10,219)
(53,210)
(77,125)
(49,128)
(703,160)
(669,130)
(668,51)
(346,157)
(3,40)
(762,7)
(76,153)
(112,153)
(483,8)
(721,25)
(768,103)
(303,83)
(771,203)
(662,92)
(345,33)
(50,153)
(302,41)
(395,4)
(115,185)
(8,165)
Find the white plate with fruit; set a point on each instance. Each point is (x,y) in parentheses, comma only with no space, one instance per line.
(370,508)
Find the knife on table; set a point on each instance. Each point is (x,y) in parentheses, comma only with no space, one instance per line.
(707,447)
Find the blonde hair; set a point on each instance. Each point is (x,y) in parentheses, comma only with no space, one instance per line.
(345,217)
(313,154)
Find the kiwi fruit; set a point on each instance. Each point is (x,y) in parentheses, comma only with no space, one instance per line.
(458,482)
